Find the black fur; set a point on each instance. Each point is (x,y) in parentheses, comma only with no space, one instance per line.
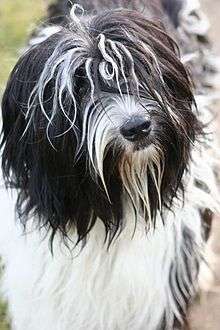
(173,8)
(62,193)
(58,11)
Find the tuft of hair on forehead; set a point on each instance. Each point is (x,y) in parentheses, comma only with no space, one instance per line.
(47,154)
(117,51)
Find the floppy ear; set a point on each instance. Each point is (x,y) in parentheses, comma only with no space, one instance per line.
(37,158)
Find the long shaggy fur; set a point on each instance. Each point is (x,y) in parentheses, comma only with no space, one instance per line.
(130,213)
(79,93)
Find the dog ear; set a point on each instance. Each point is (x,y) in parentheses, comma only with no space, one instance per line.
(38,158)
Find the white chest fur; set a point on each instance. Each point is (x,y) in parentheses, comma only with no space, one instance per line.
(125,287)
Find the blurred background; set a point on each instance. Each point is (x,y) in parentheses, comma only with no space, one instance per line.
(17,19)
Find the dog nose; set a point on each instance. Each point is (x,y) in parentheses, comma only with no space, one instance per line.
(136,128)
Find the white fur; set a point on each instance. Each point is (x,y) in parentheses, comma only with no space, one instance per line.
(134,170)
(193,19)
(96,288)
(125,287)
(43,34)
(104,129)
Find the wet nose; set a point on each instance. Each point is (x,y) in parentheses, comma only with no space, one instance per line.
(136,128)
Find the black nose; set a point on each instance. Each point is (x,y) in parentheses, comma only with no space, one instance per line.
(136,128)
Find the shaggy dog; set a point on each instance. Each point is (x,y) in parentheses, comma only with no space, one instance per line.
(104,146)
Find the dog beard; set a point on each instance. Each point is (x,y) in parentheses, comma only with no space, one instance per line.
(73,95)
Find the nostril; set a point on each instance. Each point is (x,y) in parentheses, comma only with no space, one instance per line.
(136,128)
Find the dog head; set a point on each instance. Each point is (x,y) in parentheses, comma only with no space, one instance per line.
(100,112)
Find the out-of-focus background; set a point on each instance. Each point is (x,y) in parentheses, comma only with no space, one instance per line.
(17,20)
(205,314)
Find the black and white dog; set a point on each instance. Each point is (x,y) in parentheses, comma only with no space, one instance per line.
(101,141)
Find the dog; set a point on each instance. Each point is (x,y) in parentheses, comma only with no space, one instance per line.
(105,149)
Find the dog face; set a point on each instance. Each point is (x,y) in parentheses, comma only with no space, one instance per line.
(98,111)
